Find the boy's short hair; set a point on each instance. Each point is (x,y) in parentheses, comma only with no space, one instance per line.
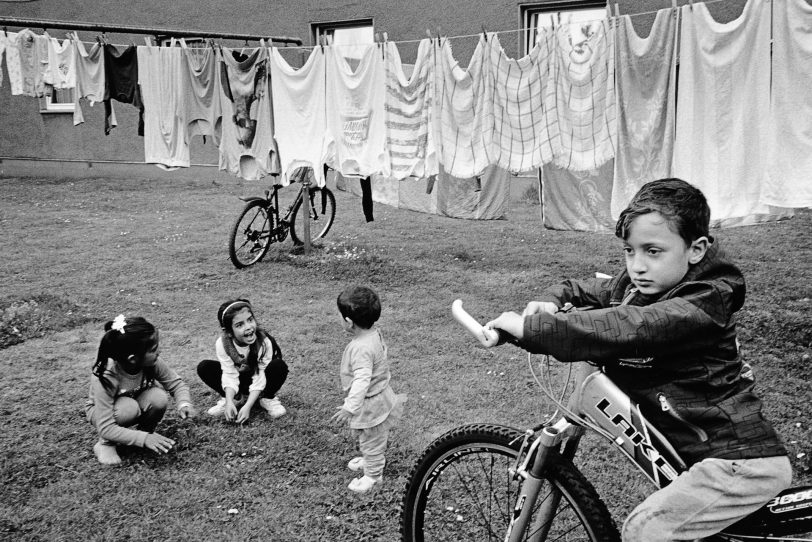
(683,206)
(360,304)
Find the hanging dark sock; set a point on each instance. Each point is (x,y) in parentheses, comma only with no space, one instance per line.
(366,198)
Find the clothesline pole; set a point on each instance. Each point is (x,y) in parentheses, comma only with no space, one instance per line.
(305,208)
(123,29)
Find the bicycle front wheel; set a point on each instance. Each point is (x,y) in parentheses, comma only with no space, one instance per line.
(322,207)
(251,234)
(461,490)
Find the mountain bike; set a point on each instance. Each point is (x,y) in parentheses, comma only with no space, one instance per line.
(483,482)
(261,223)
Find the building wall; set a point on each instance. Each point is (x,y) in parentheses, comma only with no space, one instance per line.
(25,132)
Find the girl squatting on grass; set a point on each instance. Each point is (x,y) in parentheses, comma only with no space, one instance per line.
(249,367)
(128,387)
(371,406)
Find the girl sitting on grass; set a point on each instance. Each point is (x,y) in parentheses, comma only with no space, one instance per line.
(249,367)
(125,390)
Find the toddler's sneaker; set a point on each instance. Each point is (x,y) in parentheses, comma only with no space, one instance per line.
(273,406)
(364,484)
(356,464)
(219,408)
(106,453)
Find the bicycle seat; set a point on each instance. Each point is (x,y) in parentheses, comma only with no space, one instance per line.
(788,513)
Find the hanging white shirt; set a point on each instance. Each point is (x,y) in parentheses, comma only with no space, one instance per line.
(201,87)
(61,72)
(300,116)
(90,79)
(15,76)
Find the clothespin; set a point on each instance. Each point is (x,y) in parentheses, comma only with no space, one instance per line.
(321,43)
(484,33)
(692,4)
(438,36)
(385,37)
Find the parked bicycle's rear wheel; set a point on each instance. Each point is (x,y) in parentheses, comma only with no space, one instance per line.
(461,490)
(322,207)
(251,234)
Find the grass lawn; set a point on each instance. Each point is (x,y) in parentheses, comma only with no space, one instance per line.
(78,252)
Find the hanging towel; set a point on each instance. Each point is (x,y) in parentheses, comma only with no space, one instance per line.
(582,95)
(300,114)
(166,138)
(201,88)
(722,109)
(247,146)
(15,76)
(789,168)
(33,52)
(463,109)
(121,83)
(645,74)
(409,103)
(522,127)
(90,80)
(61,71)
(577,200)
(355,113)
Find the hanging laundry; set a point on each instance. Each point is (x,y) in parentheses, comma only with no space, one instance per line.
(482,197)
(33,52)
(723,110)
(15,76)
(90,79)
(789,160)
(201,85)
(61,72)
(355,113)
(166,141)
(577,200)
(463,126)
(522,127)
(121,79)
(646,81)
(3,40)
(247,146)
(299,114)
(581,95)
(409,103)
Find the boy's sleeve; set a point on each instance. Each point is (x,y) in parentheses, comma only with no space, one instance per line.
(231,377)
(587,293)
(173,383)
(361,378)
(105,421)
(672,326)
(258,382)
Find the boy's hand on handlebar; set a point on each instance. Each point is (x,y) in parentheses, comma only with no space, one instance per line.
(535,307)
(510,322)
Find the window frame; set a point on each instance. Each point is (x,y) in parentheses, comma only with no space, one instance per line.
(529,9)
(48,106)
(328,28)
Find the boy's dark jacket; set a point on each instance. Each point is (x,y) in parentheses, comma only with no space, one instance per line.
(678,350)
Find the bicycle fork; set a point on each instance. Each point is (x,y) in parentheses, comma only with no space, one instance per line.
(530,466)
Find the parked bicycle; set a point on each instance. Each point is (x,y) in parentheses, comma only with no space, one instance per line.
(490,482)
(261,223)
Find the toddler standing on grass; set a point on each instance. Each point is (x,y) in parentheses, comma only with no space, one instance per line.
(128,387)
(371,407)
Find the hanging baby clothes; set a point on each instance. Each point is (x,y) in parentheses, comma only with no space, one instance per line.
(33,51)
(201,85)
(90,80)
(61,72)
(789,163)
(723,109)
(165,127)
(3,40)
(300,114)
(581,95)
(247,145)
(646,84)
(409,102)
(463,125)
(355,113)
(121,77)
(522,128)
(15,76)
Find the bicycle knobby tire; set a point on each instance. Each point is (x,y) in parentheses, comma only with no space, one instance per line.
(460,490)
(250,235)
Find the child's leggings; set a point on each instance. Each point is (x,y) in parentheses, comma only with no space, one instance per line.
(373,445)
(711,495)
(146,410)
(276,373)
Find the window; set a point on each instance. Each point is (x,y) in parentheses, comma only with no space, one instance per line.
(535,16)
(60,101)
(350,36)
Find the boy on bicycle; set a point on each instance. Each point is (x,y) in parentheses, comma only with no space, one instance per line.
(664,331)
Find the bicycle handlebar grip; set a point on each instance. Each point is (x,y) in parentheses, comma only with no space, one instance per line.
(488,337)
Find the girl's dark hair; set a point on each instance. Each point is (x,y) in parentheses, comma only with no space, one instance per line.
(225,315)
(683,206)
(361,305)
(137,337)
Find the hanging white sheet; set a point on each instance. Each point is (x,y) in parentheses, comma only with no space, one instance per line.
(201,88)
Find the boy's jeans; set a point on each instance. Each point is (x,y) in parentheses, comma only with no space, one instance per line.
(711,495)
